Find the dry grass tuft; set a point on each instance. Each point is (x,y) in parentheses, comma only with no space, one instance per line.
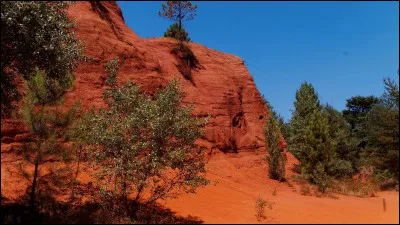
(261,204)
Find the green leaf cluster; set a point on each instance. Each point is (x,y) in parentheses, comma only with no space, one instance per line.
(36,34)
(144,143)
(276,159)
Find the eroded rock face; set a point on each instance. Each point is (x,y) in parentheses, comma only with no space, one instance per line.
(221,85)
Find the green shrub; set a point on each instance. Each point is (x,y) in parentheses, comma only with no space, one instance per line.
(144,144)
(187,60)
(174,32)
(320,177)
(340,168)
(384,179)
(183,51)
(275,159)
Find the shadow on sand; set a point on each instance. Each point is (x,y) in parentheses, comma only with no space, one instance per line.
(51,211)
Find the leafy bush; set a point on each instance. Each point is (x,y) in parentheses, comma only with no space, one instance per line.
(385,179)
(184,52)
(340,168)
(187,60)
(36,33)
(275,158)
(174,32)
(320,177)
(144,143)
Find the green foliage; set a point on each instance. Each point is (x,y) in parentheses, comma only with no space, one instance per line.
(185,51)
(111,69)
(45,125)
(306,103)
(178,12)
(346,144)
(320,177)
(333,145)
(339,130)
(275,158)
(284,127)
(390,97)
(187,60)
(36,33)
(340,168)
(144,143)
(310,139)
(319,149)
(179,34)
(381,129)
(357,109)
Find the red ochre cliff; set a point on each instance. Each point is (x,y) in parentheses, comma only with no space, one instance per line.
(221,85)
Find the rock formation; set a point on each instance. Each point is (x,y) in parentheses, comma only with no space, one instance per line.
(221,85)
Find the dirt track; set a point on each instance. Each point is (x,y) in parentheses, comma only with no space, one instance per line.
(243,178)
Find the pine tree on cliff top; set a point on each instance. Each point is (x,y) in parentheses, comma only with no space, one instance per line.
(178,12)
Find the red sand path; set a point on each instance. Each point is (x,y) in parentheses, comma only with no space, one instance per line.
(243,178)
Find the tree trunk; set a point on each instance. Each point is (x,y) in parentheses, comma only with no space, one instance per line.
(180,16)
(125,194)
(139,191)
(76,175)
(180,23)
(32,199)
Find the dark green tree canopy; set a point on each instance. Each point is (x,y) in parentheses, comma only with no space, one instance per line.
(36,33)
(357,109)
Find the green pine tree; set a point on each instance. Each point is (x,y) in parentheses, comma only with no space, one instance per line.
(275,159)
(46,124)
(347,155)
(306,104)
(381,129)
(319,146)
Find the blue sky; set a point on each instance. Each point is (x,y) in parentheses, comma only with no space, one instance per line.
(342,48)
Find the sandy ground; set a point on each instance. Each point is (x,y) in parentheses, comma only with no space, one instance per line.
(236,182)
